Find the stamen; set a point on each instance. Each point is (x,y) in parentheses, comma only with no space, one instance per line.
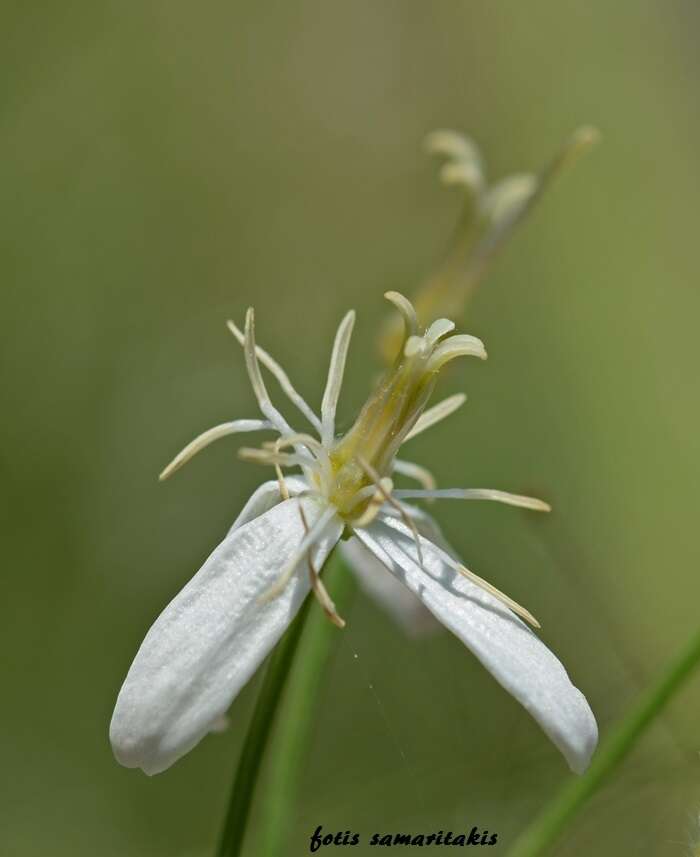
(462,173)
(437,413)
(306,543)
(501,596)
(317,586)
(415,471)
(408,313)
(364,494)
(209,436)
(314,446)
(284,491)
(485,585)
(475,494)
(452,144)
(335,378)
(406,518)
(456,346)
(256,380)
(282,378)
(438,329)
(464,164)
(267,456)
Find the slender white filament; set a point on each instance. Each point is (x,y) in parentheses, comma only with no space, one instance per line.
(256,380)
(474,494)
(414,471)
(436,414)
(209,436)
(282,378)
(335,378)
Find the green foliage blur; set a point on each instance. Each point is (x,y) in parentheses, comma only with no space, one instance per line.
(164,165)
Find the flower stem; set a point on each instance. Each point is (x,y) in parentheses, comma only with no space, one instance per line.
(318,635)
(545,828)
(258,733)
(294,731)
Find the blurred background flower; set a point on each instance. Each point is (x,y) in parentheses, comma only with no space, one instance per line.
(163,168)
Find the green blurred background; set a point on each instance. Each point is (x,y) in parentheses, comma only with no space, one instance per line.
(165,164)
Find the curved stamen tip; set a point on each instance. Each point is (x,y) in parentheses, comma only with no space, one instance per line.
(461,345)
(405,307)
(209,436)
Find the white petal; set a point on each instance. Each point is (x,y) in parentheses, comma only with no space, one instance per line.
(265,497)
(211,638)
(514,655)
(426,525)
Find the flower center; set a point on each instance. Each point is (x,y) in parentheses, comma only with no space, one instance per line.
(366,453)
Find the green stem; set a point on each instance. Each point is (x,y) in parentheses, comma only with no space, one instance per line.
(545,829)
(258,733)
(295,728)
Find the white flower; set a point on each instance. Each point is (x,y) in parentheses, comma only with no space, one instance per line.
(216,632)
